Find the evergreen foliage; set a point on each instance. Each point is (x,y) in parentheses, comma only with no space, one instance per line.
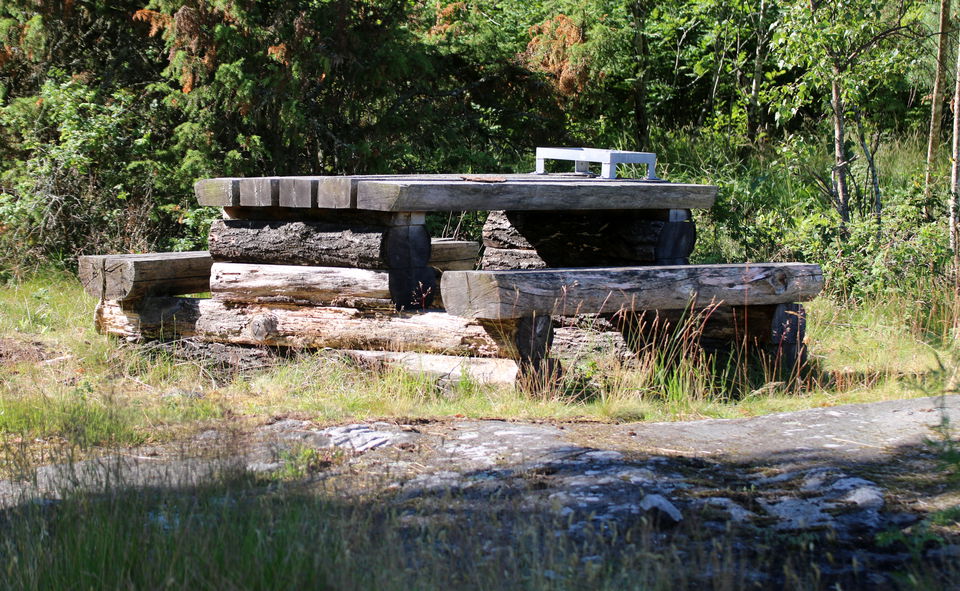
(110,111)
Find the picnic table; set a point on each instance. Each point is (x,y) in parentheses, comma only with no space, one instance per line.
(348,262)
(556,245)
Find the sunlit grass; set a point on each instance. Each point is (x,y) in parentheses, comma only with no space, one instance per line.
(77,392)
(70,375)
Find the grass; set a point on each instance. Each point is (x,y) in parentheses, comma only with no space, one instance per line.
(241,532)
(66,393)
(61,379)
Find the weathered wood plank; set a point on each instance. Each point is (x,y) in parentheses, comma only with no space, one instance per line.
(497,295)
(345,217)
(260,192)
(131,276)
(220,192)
(151,318)
(295,284)
(454,255)
(298,192)
(545,195)
(342,328)
(335,192)
(329,192)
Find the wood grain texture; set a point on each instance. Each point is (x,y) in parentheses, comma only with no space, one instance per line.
(303,285)
(329,192)
(334,192)
(497,295)
(543,195)
(298,192)
(447,369)
(220,192)
(454,255)
(132,276)
(345,217)
(260,192)
(511,258)
(499,232)
(342,328)
(297,243)
(151,318)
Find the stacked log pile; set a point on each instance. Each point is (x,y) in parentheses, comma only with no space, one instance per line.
(344,280)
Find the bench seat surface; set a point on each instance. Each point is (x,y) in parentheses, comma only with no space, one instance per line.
(496,295)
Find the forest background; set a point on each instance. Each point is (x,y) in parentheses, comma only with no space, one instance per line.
(815,119)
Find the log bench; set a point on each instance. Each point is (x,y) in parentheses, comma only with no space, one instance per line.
(755,303)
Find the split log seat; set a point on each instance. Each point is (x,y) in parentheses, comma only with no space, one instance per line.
(753,303)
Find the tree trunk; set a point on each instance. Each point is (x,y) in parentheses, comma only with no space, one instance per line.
(754,112)
(872,169)
(640,10)
(936,108)
(955,171)
(839,153)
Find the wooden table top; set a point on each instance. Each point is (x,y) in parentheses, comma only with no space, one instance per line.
(421,193)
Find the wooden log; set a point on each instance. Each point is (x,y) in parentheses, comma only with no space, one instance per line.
(150,318)
(297,243)
(319,244)
(342,328)
(499,232)
(527,341)
(454,255)
(294,284)
(544,195)
(595,238)
(497,295)
(403,251)
(447,369)
(132,276)
(511,258)
(446,254)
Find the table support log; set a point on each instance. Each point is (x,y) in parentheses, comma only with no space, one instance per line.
(527,341)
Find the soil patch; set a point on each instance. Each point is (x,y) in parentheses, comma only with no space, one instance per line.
(13,352)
